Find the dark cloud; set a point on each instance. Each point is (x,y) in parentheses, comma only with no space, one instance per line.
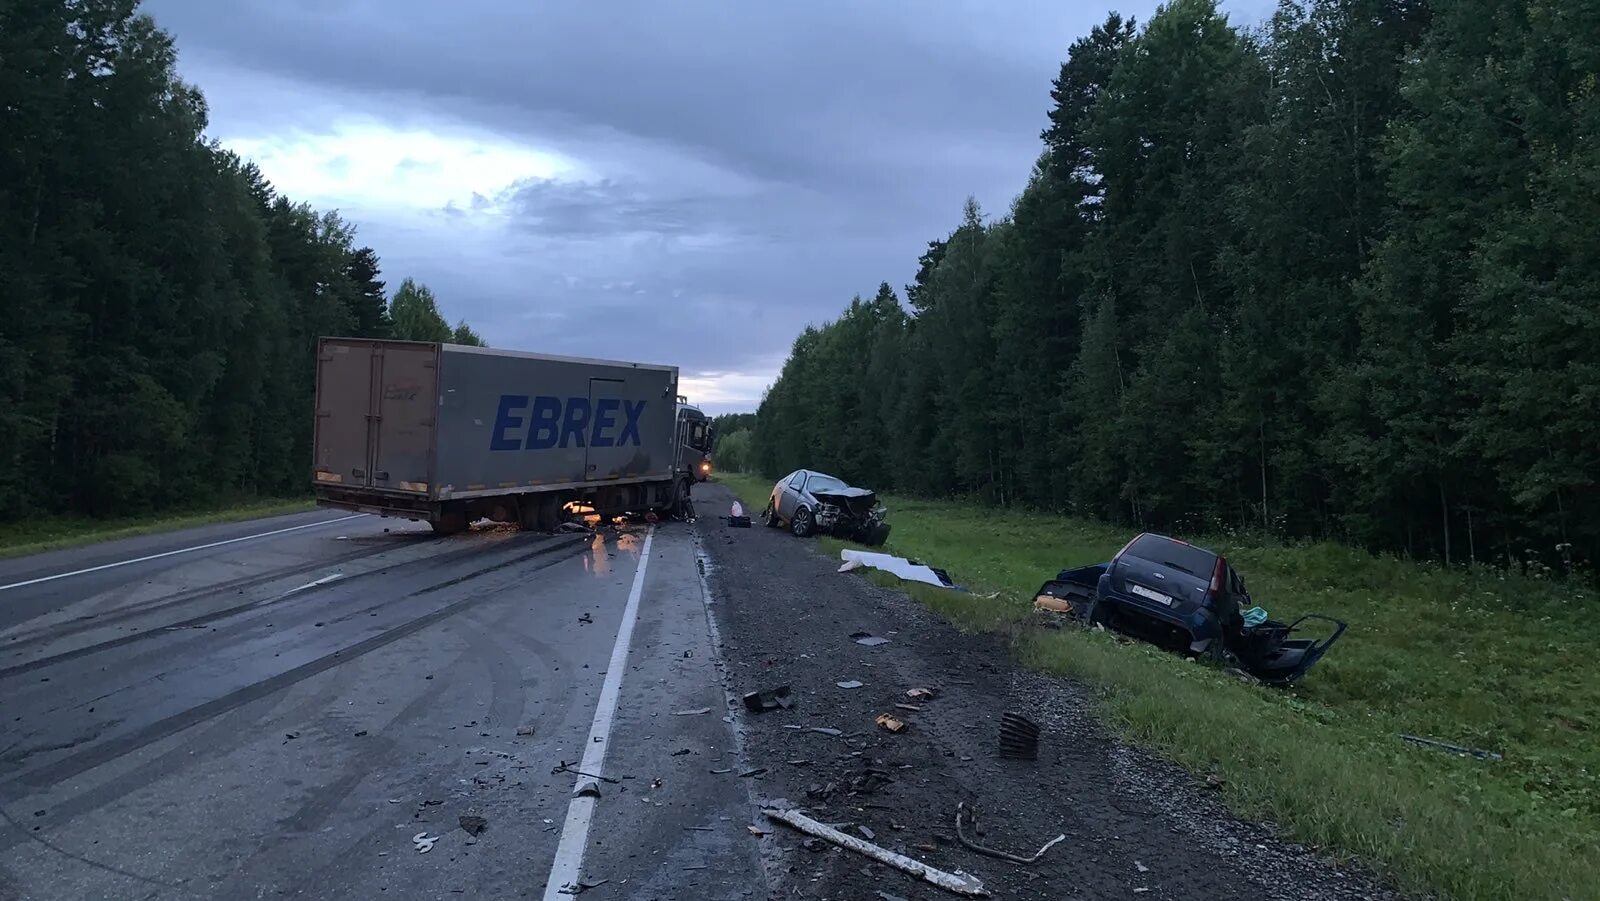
(746,167)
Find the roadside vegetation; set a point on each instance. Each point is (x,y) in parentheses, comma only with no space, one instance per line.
(55,532)
(162,298)
(1475,657)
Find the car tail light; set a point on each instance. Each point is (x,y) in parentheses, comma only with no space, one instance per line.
(1216,579)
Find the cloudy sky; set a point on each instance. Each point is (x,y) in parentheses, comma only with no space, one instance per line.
(679,181)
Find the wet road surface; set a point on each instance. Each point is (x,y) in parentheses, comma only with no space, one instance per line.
(280,707)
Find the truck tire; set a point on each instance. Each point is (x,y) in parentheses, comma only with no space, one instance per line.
(451,523)
(801,524)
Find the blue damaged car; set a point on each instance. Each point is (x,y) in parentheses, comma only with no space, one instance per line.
(1188,599)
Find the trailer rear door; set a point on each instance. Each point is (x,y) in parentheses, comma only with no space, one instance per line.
(407,399)
(375,414)
(344,404)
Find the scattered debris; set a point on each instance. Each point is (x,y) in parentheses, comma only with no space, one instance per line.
(907,570)
(911,707)
(525,730)
(866,832)
(891,724)
(570,526)
(588,789)
(737,518)
(1019,737)
(472,823)
(747,774)
(885,896)
(680,752)
(825,731)
(922,694)
(869,782)
(572,768)
(587,618)
(290,736)
(582,885)
(697,712)
(424,842)
(1052,603)
(1455,749)
(965,814)
(768,699)
(849,684)
(698,829)
(361,733)
(721,772)
(757,831)
(871,641)
(814,845)
(1140,867)
(958,882)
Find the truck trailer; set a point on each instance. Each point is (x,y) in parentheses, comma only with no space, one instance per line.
(450,434)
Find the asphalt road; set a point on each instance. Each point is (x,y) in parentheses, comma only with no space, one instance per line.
(279,707)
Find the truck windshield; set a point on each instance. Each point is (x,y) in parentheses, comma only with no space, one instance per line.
(1184,557)
(821,482)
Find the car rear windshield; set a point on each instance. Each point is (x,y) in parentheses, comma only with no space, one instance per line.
(1186,557)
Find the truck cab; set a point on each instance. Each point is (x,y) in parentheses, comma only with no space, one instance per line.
(696,434)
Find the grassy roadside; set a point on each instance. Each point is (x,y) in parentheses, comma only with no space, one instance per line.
(1477,659)
(55,532)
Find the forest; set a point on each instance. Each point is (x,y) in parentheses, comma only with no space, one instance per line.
(1336,276)
(161,300)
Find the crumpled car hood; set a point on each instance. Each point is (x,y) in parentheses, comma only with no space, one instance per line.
(843,493)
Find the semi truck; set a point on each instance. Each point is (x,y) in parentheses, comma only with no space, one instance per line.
(450,434)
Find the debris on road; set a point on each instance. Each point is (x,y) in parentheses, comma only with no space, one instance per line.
(1019,737)
(922,694)
(572,768)
(757,831)
(869,640)
(825,731)
(958,882)
(721,771)
(588,789)
(965,815)
(696,712)
(1140,867)
(850,684)
(911,707)
(1454,749)
(570,526)
(907,570)
(891,724)
(290,736)
(587,618)
(768,699)
(581,886)
(680,752)
(472,824)
(737,517)
(751,773)
(525,730)
(424,842)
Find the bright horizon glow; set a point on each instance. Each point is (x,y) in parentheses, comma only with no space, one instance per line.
(363,164)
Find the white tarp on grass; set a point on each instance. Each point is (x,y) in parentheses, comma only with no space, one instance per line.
(900,566)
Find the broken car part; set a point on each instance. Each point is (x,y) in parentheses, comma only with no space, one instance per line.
(891,724)
(1019,737)
(958,882)
(965,815)
(768,699)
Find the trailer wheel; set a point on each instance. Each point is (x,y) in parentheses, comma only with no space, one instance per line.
(452,523)
(801,524)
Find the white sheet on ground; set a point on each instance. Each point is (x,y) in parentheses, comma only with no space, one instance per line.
(900,566)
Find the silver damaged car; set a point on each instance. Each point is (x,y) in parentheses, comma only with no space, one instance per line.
(811,502)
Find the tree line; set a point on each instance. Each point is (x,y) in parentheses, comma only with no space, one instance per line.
(161,300)
(1334,276)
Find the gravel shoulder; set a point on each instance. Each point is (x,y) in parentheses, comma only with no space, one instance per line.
(1135,826)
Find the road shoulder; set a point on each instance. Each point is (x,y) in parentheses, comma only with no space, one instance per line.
(1133,825)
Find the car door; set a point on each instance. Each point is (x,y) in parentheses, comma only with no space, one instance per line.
(789,499)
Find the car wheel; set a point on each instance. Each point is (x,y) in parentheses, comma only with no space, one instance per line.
(801,524)
(771,516)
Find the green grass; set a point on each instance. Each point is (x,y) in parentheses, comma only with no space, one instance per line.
(50,533)
(1475,658)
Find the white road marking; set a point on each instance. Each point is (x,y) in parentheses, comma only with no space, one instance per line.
(322,581)
(568,864)
(198,547)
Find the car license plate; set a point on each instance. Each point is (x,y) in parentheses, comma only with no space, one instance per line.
(1144,592)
